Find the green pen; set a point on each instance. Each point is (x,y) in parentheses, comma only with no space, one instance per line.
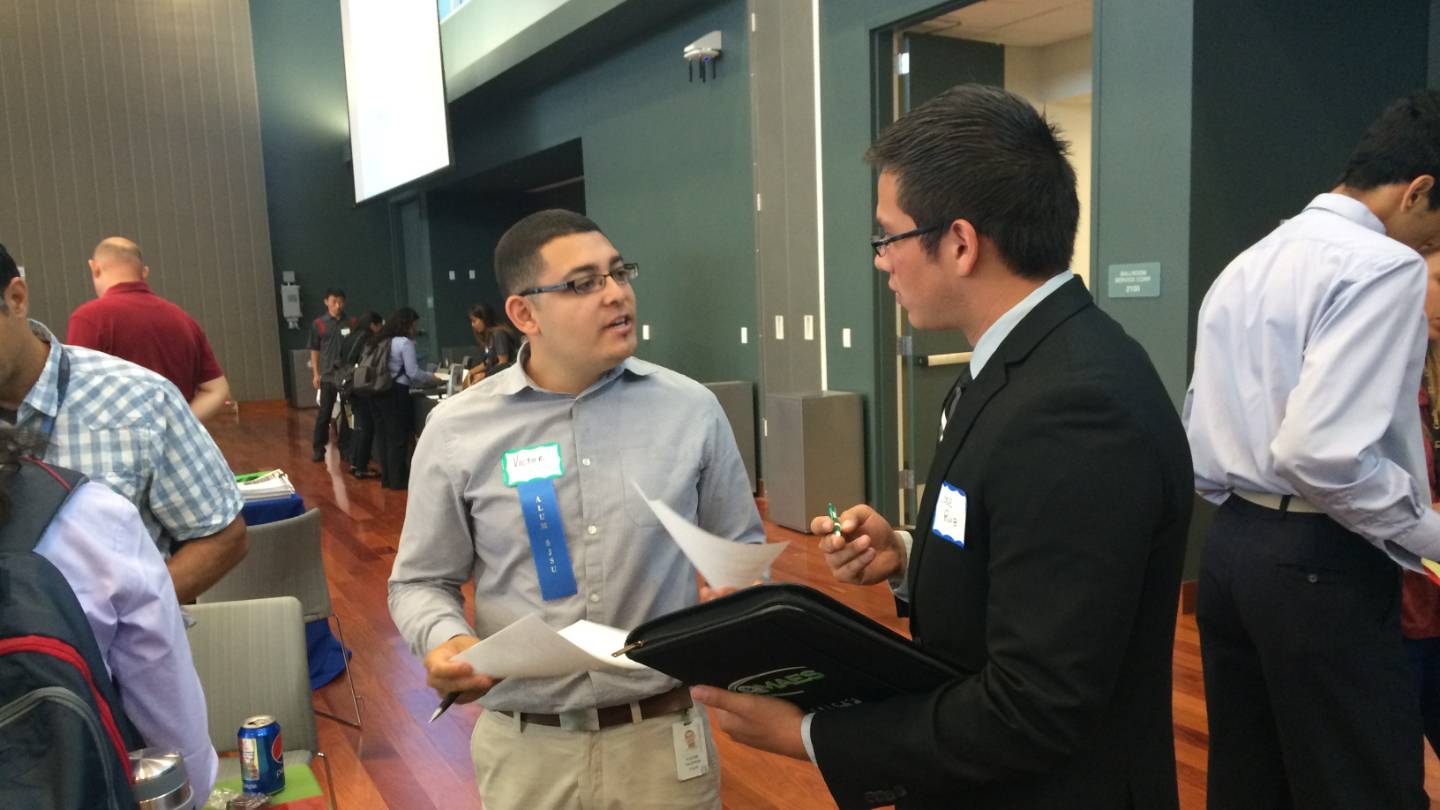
(834,520)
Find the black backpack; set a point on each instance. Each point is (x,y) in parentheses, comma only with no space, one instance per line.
(64,737)
(372,373)
(350,352)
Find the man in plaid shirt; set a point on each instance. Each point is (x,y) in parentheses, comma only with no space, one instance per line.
(128,428)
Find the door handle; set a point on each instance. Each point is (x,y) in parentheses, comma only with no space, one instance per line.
(951,359)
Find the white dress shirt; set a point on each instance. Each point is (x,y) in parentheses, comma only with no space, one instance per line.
(1308,355)
(103,550)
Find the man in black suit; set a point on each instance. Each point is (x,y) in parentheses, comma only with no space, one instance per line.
(1045,566)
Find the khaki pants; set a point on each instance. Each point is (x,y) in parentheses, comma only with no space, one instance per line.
(625,767)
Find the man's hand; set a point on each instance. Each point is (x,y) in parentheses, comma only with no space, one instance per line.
(708,593)
(315,381)
(445,675)
(769,724)
(865,552)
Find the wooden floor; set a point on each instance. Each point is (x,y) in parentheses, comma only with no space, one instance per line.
(400,762)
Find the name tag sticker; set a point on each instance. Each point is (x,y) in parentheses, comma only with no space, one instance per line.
(950,514)
(532,464)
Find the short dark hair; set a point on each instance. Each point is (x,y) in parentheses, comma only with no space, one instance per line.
(335,291)
(517,256)
(8,268)
(985,155)
(1401,145)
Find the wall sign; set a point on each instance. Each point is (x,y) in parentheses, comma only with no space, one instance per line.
(1140,280)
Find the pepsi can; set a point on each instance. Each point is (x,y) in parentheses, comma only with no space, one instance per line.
(262,759)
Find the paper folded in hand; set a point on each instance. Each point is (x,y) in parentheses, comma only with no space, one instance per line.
(723,563)
(529,648)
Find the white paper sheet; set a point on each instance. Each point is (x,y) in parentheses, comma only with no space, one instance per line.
(723,563)
(528,648)
(600,641)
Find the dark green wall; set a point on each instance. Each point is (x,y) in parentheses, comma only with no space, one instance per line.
(1279,101)
(938,63)
(855,296)
(667,175)
(463,231)
(316,230)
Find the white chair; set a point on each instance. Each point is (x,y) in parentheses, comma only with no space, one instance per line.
(285,560)
(251,660)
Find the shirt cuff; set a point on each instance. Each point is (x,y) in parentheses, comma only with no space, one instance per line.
(805,737)
(899,583)
(444,630)
(1422,541)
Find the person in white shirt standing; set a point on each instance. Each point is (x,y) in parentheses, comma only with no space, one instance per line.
(1301,420)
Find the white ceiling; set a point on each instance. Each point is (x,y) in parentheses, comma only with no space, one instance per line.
(1023,23)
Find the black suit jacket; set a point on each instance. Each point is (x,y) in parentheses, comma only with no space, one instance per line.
(1060,607)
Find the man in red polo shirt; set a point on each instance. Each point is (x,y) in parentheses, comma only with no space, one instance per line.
(133,323)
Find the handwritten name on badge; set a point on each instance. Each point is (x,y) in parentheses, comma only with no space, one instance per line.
(532,463)
(949,520)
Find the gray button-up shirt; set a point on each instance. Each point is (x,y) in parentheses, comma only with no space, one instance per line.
(639,423)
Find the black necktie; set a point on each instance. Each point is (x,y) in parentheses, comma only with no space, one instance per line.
(952,400)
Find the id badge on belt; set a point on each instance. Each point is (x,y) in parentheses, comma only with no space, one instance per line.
(692,757)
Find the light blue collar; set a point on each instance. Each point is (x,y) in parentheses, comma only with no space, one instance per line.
(990,341)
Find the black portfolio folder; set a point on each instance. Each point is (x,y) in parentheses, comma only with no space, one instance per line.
(786,641)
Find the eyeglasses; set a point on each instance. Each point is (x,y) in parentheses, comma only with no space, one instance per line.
(592,283)
(879,243)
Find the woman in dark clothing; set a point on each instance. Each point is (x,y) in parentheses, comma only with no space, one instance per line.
(362,408)
(395,414)
(496,339)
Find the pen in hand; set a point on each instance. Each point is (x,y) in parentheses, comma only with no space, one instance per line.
(446,703)
(834,520)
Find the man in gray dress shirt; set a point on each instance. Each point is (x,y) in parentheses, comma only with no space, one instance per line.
(594,422)
(1303,428)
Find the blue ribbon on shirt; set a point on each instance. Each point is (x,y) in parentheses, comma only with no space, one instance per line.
(547,538)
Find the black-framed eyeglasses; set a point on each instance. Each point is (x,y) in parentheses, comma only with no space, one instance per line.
(879,243)
(592,283)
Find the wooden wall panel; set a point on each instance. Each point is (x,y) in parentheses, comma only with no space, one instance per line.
(140,118)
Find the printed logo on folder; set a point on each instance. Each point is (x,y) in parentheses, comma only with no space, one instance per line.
(777,682)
